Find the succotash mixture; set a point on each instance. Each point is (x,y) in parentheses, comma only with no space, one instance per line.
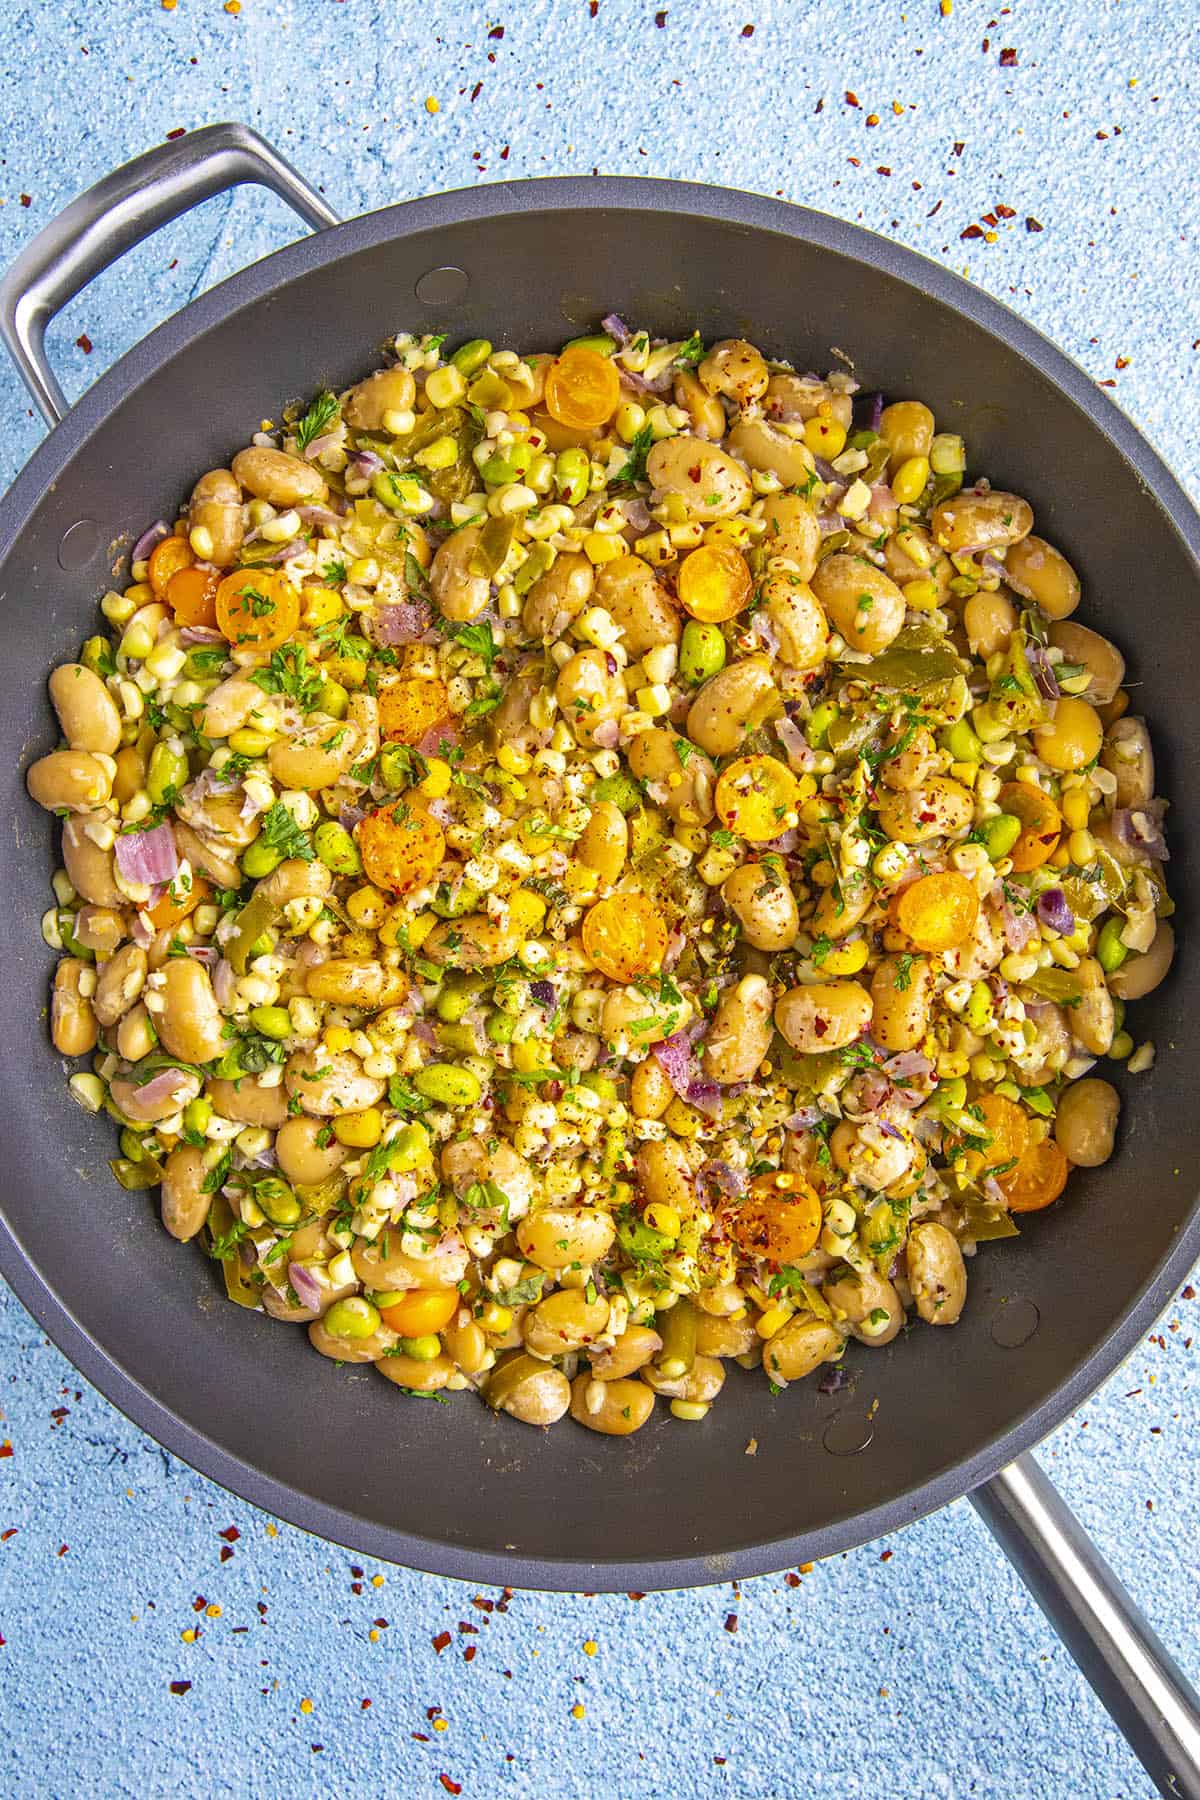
(578,867)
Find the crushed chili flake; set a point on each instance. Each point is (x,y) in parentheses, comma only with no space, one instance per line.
(231,1534)
(1004,212)
(470,1653)
(635,1596)
(1189,1292)
(6,1448)
(886,1555)
(10,1533)
(660,19)
(747,31)
(421,1737)
(972,231)
(199,1603)
(177,133)
(486,1606)
(1008,58)
(497,31)
(441,1642)
(451,1787)
(365,1704)
(731,1623)
(1032,224)
(180,1687)
(882,169)
(226,1551)
(26,199)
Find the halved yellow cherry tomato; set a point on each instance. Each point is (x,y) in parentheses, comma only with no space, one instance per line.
(583,389)
(1006,1127)
(938,912)
(714,583)
(191,595)
(171,908)
(257,608)
(410,707)
(757,797)
(780,1218)
(1041,824)
(421,1311)
(1038,1179)
(625,937)
(401,846)
(168,556)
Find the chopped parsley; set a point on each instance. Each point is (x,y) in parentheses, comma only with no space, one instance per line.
(317,420)
(281,832)
(635,468)
(291,673)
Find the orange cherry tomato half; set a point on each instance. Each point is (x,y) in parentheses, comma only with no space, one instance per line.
(714,583)
(258,609)
(780,1218)
(171,908)
(625,937)
(938,912)
(583,389)
(191,595)
(401,846)
(1038,1179)
(168,556)
(1007,1129)
(412,706)
(1041,824)
(421,1311)
(757,797)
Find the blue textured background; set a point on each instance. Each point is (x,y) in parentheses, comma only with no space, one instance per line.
(917,1666)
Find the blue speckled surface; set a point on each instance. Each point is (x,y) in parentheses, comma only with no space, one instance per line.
(916,1666)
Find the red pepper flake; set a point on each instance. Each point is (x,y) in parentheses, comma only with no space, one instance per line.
(989,219)
(199,1603)
(855,160)
(433,1712)
(1103,136)
(366,1705)
(593,8)
(883,169)
(357,1572)
(633,1596)
(441,1642)
(1111,383)
(853,99)
(1032,224)
(451,1787)
(477,90)
(972,231)
(720,1761)
(59,1413)
(504,154)
(1189,1292)
(886,1555)
(497,31)
(6,1448)
(1122,362)
(231,1534)
(747,31)
(958,147)
(485,1606)
(1004,212)
(731,1623)
(181,1687)
(421,1737)
(262,1608)
(26,199)
(177,133)
(792,1579)
(470,1653)
(63,1548)
(226,1552)
(356,1587)
(660,19)
(1008,58)
(467,1628)
(10,1533)
(986,45)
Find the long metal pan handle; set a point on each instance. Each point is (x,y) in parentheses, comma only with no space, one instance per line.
(1130,1669)
(110,218)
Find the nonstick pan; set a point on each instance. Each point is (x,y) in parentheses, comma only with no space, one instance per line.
(456,1489)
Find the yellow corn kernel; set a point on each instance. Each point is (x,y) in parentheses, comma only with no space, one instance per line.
(359,1130)
(655,547)
(908,483)
(364,571)
(951,1064)
(601,548)
(1082,846)
(1061,857)
(775,1317)
(581,883)
(814,813)
(245,742)
(726,531)
(366,906)
(494,1318)
(846,959)
(629,421)
(445,387)
(526,910)
(321,607)
(686,537)
(666,1219)
(966,772)
(437,778)
(348,670)
(825,437)
(141,593)
(1074,804)
(337,1039)
(532,1053)
(922,595)
(513,761)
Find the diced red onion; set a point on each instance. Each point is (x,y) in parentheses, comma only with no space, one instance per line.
(675,1057)
(365,463)
(350,816)
(784,845)
(319,445)
(616,327)
(286,552)
(153,534)
(992,1190)
(305,1286)
(607,734)
(637,514)
(319,515)
(873,1089)
(674,950)
(208,954)
(224,984)
(661,384)
(875,413)
(1042,670)
(908,1064)
(141,931)
(705,1096)
(721,1177)
(763,628)
(147,857)
(1140,828)
(888,1130)
(803,1119)
(438,736)
(1053,910)
(405,622)
(543,993)
(826,471)
(167,1084)
(440,810)
(800,753)
(833,1380)
(201,634)
(1020,928)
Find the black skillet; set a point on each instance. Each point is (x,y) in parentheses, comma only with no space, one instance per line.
(458,1490)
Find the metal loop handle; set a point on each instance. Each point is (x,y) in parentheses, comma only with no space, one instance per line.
(1129,1668)
(122,209)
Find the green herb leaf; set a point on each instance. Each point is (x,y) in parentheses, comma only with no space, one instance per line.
(317,420)
(281,832)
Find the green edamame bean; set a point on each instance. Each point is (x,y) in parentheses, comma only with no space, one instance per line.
(498,470)
(460,1037)
(336,848)
(490,391)
(453,903)
(395,765)
(470,357)
(456,1000)
(978,1012)
(572,473)
(447,1085)
(409,1147)
(500,1027)
(353,1317)
(604,1085)
(999,834)
(598,341)
(962,743)
(702,651)
(1121,1047)
(132,1146)
(280,1204)
(272,1021)
(333,699)
(423,1349)
(259,859)
(196,1116)
(168,772)
(821,718)
(1110,951)
(97,655)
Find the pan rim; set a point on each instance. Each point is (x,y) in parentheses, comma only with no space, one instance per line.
(639,196)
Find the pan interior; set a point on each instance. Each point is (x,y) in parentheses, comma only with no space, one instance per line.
(453,1487)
